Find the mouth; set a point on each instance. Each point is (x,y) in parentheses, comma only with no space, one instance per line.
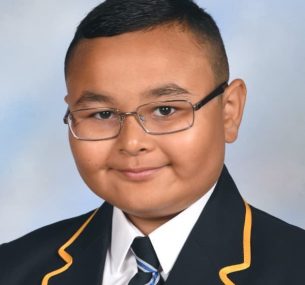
(139,174)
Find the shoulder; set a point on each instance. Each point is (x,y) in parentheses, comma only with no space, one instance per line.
(40,244)
(47,234)
(36,253)
(271,225)
(276,238)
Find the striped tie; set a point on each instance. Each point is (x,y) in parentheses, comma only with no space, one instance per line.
(147,261)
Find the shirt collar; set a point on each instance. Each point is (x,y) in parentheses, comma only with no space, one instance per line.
(123,234)
(167,248)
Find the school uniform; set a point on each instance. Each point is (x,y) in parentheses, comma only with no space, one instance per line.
(230,243)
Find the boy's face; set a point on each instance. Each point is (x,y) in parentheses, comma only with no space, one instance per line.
(149,177)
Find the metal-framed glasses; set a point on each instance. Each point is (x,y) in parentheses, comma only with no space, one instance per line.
(155,118)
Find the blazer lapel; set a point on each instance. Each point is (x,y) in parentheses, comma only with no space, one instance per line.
(216,240)
(88,252)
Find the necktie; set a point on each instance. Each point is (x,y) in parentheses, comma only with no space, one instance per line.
(147,261)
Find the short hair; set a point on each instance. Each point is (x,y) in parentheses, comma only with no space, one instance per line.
(115,17)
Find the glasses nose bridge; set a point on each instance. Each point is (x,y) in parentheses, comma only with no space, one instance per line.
(135,114)
(123,115)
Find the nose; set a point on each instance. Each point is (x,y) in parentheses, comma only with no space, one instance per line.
(133,140)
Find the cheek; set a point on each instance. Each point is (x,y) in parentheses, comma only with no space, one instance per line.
(197,155)
(90,157)
(200,146)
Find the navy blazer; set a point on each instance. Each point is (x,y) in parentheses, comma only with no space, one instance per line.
(228,245)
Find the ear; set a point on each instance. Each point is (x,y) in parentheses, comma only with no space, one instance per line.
(234,99)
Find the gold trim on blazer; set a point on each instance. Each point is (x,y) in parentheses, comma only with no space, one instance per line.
(223,273)
(64,255)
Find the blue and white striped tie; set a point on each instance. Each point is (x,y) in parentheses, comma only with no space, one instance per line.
(147,261)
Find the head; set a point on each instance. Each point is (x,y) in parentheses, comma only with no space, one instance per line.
(129,53)
(115,17)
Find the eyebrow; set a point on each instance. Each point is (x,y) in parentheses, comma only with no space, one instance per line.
(170,89)
(88,96)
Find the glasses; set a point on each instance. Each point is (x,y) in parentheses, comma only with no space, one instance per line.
(155,118)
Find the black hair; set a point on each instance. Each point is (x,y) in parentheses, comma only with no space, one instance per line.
(115,17)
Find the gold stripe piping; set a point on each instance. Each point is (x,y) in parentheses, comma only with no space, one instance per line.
(64,255)
(223,273)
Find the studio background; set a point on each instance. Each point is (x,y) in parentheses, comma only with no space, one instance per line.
(39,183)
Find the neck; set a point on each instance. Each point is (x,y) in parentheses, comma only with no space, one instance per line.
(148,225)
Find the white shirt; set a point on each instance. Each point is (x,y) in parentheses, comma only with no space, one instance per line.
(120,264)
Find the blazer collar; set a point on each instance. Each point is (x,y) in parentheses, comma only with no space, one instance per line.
(88,252)
(216,240)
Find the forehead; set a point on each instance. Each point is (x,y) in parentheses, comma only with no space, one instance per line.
(134,61)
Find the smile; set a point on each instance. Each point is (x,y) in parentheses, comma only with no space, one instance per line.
(139,174)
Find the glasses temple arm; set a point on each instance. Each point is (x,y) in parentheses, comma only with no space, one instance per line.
(219,90)
(65,119)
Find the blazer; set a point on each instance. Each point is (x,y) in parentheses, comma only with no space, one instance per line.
(231,243)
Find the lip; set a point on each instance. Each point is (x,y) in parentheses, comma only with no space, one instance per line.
(139,174)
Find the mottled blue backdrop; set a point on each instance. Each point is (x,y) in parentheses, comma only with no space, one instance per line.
(39,183)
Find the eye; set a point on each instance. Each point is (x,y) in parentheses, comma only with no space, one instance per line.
(104,115)
(164,110)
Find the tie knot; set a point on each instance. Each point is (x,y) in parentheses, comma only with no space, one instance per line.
(145,254)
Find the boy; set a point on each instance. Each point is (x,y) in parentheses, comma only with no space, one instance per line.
(149,111)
